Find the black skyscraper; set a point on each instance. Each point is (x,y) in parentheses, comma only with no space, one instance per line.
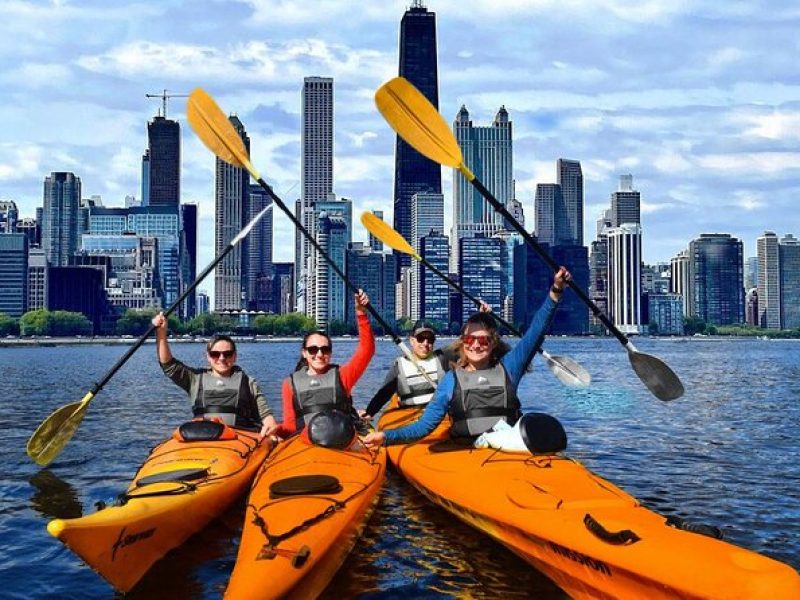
(413,172)
(164,145)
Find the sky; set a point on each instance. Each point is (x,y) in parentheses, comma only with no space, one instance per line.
(698,100)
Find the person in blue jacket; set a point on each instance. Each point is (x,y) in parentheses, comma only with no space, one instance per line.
(482,389)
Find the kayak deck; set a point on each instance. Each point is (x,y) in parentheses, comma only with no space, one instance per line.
(590,537)
(293,544)
(180,488)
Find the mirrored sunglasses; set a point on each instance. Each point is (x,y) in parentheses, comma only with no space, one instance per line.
(482,340)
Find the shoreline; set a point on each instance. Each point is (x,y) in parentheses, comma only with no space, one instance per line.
(47,341)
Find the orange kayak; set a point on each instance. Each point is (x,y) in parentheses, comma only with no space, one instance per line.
(306,510)
(587,535)
(180,488)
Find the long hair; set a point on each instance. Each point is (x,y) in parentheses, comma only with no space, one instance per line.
(220,338)
(303,363)
(487,322)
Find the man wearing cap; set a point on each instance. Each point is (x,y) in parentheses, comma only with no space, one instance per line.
(404,377)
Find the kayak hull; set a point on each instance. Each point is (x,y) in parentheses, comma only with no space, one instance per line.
(587,535)
(179,489)
(292,545)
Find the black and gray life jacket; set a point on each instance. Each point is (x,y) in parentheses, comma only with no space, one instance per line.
(481,399)
(412,387)
(314,393)
(228,398)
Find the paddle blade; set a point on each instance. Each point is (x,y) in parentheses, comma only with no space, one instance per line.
(418,122)
(568,372)
(216,131)
(656,375)
(381,230)
(56,430)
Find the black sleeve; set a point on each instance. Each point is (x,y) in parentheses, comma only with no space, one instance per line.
(446,356)
(383,395)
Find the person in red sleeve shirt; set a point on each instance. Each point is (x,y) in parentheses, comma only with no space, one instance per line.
(317,383)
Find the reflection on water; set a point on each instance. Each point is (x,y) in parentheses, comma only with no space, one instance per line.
(725,454)
(54,498)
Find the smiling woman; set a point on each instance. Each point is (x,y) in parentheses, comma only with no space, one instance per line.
(223,390)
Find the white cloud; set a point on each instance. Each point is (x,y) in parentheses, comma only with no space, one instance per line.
(763,163)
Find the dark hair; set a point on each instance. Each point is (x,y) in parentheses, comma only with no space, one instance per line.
(486,321)
(303,362)
(220,338)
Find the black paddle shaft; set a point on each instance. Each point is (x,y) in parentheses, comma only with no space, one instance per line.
(386,329)
(498,206)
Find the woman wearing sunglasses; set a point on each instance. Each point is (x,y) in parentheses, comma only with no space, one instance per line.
(482,389)
(317,383)
(223,390)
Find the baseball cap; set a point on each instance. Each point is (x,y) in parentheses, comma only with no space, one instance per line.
(421,326)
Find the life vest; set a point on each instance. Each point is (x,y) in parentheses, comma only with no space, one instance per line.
(412,387)
(481,399)
(314,393)
(228,398)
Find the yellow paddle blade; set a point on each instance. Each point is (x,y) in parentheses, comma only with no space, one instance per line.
(216,131)
(381,230)
(418,122)
(56,430)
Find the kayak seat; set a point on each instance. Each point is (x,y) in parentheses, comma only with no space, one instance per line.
(304,485)
(201,430)
(176,475)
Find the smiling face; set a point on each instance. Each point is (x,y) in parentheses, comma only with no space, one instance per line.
(221,358)
(317,352)
(477,343)
(422,343)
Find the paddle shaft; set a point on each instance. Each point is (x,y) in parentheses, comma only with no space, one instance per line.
(395,338)
(498,206)
(124,358)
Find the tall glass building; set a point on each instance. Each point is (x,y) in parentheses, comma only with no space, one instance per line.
(488,152)
(13,274)
(717,278)
(789,256)
(413,172)
(162,163)
(60,218)
(231,196)
(483,268)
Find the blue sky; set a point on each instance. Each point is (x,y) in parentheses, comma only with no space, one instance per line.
(699,100)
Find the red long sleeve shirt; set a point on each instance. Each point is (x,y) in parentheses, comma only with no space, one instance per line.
(349,373)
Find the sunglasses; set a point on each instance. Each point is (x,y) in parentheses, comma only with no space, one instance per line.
(314,349)
(483,340)
(425,337)
(215,354)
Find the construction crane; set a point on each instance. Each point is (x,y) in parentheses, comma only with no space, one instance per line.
(164,95)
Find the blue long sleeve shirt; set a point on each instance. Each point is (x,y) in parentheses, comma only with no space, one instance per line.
(514,363)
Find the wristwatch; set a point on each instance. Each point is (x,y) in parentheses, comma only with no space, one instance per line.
(556,290)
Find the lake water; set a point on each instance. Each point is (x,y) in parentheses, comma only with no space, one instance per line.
(724,454)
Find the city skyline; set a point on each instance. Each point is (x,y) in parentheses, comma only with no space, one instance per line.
(701,116)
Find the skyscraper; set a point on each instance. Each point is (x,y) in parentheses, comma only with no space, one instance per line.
(13,274)
(9,216)
(570,180)
(259,250)
(62,197)
(413,172)
(789,258)
(188,253)
(373,272)
(333,237)
(162,163)
(625,277)
(716,270)
(316,181)
(232,192)
(547,210)
(625,203)
(488,152)
(434,292)
(483,271)
(769,285)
